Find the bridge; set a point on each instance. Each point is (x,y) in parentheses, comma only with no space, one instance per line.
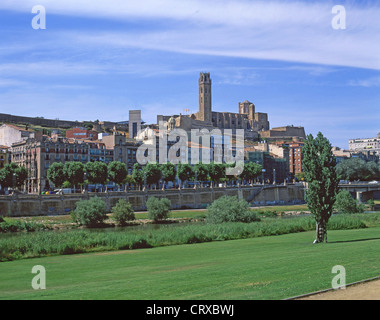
(363,191)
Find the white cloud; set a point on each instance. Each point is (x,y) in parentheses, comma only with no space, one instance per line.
(368,83)
(292,31)
(49,68)
(10,83)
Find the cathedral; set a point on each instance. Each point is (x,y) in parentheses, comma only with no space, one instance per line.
(248,119)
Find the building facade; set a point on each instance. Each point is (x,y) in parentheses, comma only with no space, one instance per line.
(368,144)
(4,156)
(124,149)
(275,169)
(134,123)
(295,158)
(37,156)
(10,134)
(82,133)
(246,119)
(289,133)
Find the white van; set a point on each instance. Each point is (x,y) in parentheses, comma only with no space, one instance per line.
(63,191)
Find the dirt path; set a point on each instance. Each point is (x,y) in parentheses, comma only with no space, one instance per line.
(364,291)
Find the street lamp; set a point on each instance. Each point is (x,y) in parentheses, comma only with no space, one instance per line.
(263,171)
(14,181)
(85,182)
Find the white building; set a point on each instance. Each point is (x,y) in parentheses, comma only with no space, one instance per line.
(10,134)
(368,144)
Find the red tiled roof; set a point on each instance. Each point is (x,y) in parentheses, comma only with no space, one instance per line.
(18,128)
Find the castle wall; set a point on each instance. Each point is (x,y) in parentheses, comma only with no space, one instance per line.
(8,118)
(284,132)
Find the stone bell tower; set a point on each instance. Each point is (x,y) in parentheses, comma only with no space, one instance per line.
(205,113)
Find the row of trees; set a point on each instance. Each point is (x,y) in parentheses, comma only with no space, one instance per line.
(76,173)
(13,176)
(357,169)
(152,173)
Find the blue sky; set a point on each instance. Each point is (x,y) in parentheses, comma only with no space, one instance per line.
(99,59)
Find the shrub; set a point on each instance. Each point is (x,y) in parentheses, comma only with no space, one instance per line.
(18,226)
(90,213)
(230,209)
(370,203)
(346,204)
(158,209)
(123,212)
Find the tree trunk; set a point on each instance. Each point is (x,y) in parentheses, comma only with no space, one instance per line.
(321,232)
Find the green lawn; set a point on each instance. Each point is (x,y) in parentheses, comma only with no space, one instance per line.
(274,267)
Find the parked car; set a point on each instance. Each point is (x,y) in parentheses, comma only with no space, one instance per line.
(373,182)
(64,191)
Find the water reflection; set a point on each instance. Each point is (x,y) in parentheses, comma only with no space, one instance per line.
(147,226)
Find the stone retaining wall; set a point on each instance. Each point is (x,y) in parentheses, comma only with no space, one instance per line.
(34,205)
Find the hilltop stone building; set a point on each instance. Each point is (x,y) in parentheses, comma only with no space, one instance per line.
(247,119)
(368,144)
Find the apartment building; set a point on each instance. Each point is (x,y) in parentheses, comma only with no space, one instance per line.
(295,158)
(4,156)
(82,133)
(38,155)
(368,144)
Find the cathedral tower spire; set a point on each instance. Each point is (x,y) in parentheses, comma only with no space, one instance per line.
(205,112)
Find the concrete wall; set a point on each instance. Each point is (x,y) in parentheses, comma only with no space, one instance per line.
(34,205)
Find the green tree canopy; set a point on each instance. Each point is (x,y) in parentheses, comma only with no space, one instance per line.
(117,172)
(97,172)
(169,172)
(185,172)
(13,176)
(152,173)
(217,171)
(138,174)
(56,175)
(251,171)
(74,172)
(201,171)
(319,166)
(357,169)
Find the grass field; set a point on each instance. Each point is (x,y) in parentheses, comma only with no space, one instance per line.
(273,267)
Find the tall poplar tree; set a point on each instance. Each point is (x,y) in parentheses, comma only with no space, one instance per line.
(320,174)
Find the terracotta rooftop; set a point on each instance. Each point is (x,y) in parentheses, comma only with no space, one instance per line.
(18,128)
